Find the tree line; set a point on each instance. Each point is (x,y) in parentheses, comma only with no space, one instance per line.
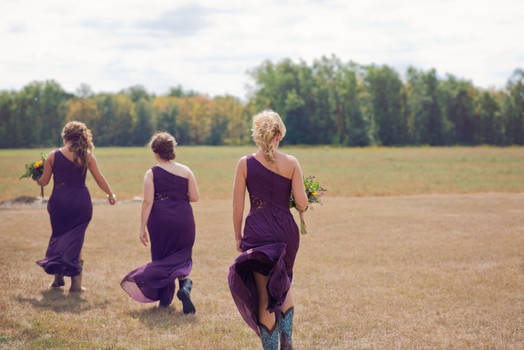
(326,102)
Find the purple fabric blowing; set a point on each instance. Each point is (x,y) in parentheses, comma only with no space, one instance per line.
(171,229)
(70,210)
(269,244)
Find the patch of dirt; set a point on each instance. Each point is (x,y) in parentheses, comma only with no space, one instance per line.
(27,202)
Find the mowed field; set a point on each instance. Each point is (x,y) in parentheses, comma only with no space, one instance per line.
(414,248)
(344,171)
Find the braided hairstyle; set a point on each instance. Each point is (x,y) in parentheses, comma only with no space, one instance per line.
(266,126)
(163,143)
(80,141)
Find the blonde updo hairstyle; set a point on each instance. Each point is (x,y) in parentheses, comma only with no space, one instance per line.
(80,141)
(163,144)
(266,126)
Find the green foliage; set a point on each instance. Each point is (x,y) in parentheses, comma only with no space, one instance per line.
(313,191)
(35,169)
(325,102)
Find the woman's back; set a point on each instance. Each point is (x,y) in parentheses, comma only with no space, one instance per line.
(266,187)
(171,223)
(66,172)
(269,220)
(169,185)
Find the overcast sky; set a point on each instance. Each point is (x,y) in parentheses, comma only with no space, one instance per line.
(210,45)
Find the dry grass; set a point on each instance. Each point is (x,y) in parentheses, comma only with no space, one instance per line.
(405,272)
(344,171)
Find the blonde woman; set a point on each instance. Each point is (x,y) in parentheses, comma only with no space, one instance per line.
(69,206)
(260,278)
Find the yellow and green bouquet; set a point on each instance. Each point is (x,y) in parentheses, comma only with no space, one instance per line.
(35,170)
(313,191)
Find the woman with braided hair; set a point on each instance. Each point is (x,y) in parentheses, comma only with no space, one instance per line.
(69,205)
(260,278)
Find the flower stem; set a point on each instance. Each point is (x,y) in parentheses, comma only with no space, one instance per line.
(303,229)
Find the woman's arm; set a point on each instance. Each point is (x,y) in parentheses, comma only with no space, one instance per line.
(239,193)
(297,186)
(48,170)
(147,204)
(99,178)
(192,188)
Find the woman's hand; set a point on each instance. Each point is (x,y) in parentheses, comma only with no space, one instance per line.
(143,237)
(111,198)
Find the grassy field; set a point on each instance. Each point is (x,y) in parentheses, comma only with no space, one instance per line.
(344,171)
(402,255)
(405,272)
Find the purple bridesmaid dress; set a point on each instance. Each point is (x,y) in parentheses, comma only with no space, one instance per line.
(269,244)
(171,229)
(70,210)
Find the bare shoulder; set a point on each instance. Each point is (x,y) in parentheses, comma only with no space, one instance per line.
(290,160)
(149,174)
(242,163)
(242,160)
(185,170)
(91,158)
(51,155)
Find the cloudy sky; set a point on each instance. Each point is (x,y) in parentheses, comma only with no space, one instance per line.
(210,45)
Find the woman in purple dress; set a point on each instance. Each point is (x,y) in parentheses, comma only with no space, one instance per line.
(69,206)
(168,188)
(260,278)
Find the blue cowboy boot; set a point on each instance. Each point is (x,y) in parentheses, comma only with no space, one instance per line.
(269,337)
(285,327)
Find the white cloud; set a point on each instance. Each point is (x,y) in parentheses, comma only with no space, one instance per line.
(209,47)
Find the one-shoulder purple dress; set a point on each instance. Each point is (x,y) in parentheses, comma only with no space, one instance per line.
(171,229)
(269,244)
(70,210)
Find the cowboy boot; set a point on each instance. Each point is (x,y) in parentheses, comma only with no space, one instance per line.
(285,326)
(268,337)
(58,281)
(76,281)
(184,294)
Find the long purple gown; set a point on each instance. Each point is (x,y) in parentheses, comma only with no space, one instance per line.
(70,210)
(269,244)
(171,229)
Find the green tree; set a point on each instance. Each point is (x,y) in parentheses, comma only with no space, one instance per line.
(86,111)
(6,120)
(513,109)
(457,101)
(489,124)
(143,128)
(105,132)
(424,112)
(386,92)
(136,92)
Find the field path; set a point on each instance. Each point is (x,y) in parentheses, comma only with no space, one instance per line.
(419,272)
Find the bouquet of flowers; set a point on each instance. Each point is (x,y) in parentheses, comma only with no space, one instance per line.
(313,191)
(35,170)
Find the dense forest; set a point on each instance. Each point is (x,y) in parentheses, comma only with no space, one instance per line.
(327,102)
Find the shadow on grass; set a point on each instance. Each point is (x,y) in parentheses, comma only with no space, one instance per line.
(58,301)
(163,317)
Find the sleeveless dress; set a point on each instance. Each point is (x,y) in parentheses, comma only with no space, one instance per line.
(269,244)
(171,228)
(70,210)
